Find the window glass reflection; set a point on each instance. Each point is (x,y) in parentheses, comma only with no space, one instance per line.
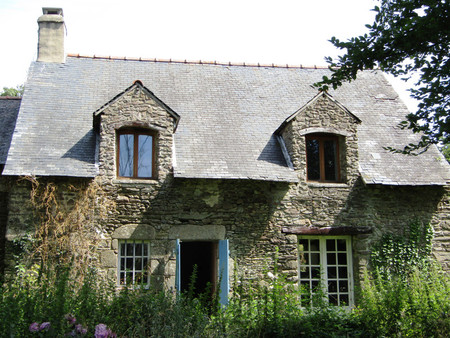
(312,155)
(145,156)
(126,155)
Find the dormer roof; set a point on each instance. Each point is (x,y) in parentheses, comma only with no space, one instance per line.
(136,84)
(309,104)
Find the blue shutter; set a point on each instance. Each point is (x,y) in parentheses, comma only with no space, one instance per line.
(178,266)
(223,271)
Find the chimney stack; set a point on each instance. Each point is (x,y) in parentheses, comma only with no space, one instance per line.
(51,36)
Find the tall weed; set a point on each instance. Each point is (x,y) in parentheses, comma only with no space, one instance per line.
(413,306)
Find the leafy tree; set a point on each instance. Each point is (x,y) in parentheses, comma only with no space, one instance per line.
(15,92)
(446,151)
(407,37)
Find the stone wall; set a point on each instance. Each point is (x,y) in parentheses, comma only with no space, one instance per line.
(250,214)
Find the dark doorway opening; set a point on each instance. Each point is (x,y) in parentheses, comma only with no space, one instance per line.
(202,256)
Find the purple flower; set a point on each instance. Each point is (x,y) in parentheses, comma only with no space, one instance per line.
(102,331)
(34,327)
(45,326)
(70,319)
(80,329)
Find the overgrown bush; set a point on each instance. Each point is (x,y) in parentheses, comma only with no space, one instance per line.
(413,306)
(406,293)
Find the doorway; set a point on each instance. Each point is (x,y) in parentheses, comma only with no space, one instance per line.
(201,257)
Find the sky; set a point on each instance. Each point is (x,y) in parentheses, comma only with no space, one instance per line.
(294,32)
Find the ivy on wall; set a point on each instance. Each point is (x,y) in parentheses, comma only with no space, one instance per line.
(397,255)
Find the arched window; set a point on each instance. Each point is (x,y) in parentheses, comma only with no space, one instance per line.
(136,153)
(322,157)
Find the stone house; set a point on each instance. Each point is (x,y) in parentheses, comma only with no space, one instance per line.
(219,166)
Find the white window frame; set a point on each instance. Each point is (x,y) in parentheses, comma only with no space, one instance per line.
(135,272)
(322,276)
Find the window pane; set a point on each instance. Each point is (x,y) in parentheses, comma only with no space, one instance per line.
(145,157)
(343,286)
(315,286)
(138,247)
(332,286)
(331,245)
(333,299)
(315,258)
(330,155)
(341,244)
(303,244)
(304,273)
(331,258)
(342,258)
(313,159)
(315,245)
(343,272)
(129,264)
(315,273)
(130,247)
(305,287)
(138,264)
(126,146)
(343,299)
(332,273)
(146,249)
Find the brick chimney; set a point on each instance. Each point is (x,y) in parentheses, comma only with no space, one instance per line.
(51,36)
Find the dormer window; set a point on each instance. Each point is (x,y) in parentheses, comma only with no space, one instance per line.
(136,153)
(322,158)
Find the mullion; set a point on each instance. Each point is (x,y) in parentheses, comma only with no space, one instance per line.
(135,154)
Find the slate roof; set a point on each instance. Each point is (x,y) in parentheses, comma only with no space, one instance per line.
(228,116)
(9,107)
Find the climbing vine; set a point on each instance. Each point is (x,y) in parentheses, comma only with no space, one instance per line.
(397,255)
(68,216)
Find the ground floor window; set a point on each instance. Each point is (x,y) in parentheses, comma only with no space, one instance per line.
(133,262)
(325,269)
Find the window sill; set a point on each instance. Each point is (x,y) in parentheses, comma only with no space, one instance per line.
(126,181)
(327,184)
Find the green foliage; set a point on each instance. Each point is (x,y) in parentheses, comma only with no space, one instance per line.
(406,294)
(396,255)
(408,37)
(446,151)
(14,92)
(415,306)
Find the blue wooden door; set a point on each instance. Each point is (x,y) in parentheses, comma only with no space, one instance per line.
(224,271)
(178,266)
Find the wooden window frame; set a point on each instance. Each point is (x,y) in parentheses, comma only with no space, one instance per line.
(136,132)
(323,265)
(322,138)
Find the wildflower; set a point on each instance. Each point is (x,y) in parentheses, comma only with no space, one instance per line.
(34,327)
(102,331)
(44,326)
(70,319)
(80,329)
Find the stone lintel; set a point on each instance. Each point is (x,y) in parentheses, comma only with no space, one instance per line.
(331,231)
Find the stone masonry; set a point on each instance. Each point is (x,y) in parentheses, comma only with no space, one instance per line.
(249,213)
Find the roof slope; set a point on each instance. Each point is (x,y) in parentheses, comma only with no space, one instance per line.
(9,107)
(228,115)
